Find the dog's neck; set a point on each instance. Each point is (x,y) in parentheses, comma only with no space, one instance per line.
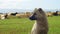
(44,20)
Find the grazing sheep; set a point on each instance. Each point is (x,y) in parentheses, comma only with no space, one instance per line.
(14,14)
(41,24)
(59,13)
(55,13)
(49,14)
(23,15)
(2,16)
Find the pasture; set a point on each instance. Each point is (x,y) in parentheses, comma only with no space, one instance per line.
(24,25)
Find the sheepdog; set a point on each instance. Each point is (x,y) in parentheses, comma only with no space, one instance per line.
(41,24)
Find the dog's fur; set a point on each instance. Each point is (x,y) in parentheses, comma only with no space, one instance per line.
(41,24)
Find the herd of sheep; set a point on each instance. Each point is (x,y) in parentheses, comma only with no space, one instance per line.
(50,14)
(27,14)
(8,15)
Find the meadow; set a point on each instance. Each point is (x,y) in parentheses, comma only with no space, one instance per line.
(24,25)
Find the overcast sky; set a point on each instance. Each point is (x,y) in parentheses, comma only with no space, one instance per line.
(29,4)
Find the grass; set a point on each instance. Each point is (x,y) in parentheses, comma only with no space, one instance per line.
(54,25)
(24,25)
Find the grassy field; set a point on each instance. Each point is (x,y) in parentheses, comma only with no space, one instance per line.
(24,25)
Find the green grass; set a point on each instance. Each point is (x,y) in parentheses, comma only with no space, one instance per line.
(24,25)
(54,25)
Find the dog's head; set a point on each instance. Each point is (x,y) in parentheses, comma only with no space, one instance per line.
(38,14)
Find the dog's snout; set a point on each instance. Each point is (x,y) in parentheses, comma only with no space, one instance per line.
(32,17)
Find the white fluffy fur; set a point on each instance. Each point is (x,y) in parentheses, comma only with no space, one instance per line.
(33,31)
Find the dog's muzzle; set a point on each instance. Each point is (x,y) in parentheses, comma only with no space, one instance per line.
(32,18)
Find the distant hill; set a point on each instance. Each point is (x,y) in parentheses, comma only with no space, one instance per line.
(52,10)
(14,10)
(22,10)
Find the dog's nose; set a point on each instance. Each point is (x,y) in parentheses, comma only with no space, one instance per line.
(32,18)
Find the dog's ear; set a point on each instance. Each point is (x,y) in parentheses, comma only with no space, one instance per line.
(40,9)
(35,9)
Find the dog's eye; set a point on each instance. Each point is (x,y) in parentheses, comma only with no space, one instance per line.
(34,13)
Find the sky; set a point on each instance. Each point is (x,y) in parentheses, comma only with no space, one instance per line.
(29,4)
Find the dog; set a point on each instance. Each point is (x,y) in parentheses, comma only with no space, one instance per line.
(41,24)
